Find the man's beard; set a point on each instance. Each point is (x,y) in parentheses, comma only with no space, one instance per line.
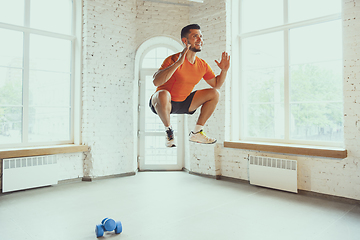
(194,49)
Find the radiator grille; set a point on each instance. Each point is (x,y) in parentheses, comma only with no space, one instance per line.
(29,172)
(273,173)
(273,162)
(29,161)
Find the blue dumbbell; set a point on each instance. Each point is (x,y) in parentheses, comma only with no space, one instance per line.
(108,225)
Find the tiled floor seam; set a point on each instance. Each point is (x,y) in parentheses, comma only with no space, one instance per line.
(333,223)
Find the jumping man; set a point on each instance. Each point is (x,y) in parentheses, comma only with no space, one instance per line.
(176,79)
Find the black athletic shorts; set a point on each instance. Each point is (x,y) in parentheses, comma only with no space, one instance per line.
(178,107)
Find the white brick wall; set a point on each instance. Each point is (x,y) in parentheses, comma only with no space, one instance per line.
(113,30)
(1,162)
(70,165)
(108,74)
(211,16)
(159,19)
(327,176)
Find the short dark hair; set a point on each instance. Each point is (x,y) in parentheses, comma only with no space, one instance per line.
(186,30)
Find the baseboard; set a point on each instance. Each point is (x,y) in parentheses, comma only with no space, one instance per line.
(217,177)
(90,179)
(231,179)
(185,170)
(329,197)
(148,170)
(202,175)
(87,179)
(300,192)
(72,180)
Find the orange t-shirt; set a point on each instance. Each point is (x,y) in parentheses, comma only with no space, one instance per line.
(186,76)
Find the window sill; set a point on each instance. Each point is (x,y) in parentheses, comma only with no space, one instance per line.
(39,151)
(289,149)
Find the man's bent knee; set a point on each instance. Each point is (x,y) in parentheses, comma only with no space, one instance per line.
(215,93)
(161,97)
(164,95)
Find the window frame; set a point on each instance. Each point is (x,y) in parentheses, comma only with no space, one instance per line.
(75,75)
(142,50)
(142,133)
(236,119)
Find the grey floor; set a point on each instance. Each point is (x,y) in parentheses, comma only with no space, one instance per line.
(173,205)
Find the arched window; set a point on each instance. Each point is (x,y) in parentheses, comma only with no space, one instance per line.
(155,57)
(152,153)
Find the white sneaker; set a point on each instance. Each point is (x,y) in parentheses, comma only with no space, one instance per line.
(200,137)
(170,140)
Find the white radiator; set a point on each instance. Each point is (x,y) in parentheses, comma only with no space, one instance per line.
(29,172)
(273,173)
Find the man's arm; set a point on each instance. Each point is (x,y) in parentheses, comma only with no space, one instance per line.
(163,75)
(224,65)
(218,81)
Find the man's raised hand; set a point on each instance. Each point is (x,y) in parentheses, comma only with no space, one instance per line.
(183,55)
(225,61)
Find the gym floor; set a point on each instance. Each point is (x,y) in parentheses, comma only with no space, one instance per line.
(173,206)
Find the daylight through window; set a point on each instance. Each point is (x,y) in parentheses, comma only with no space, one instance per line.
(36,65)
(291,71)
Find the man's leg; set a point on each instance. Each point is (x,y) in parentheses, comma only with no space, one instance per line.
(161,101)
(207,99)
